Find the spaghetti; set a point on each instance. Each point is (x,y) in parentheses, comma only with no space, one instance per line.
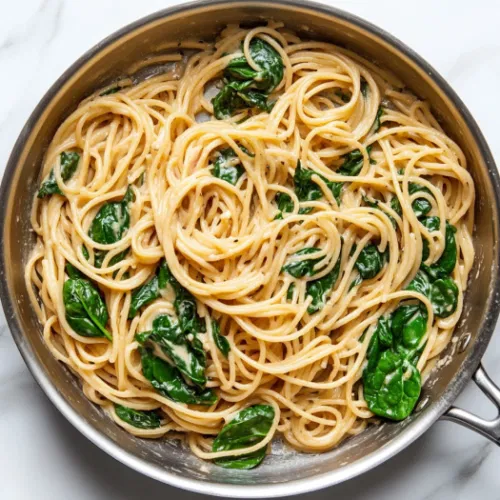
(317,225)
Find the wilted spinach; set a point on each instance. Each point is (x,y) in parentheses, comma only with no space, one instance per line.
(167,333)
(150,291)
(69,162)
(167,381)
(318,289)
(86,312)
(299,269)
(442,292)
(370,261)
(365,88)
(220,341)
(376,123)
(421,206)
(246,88)
(182,332)
(446,263)
(307,190)
(138,418)
(109,225)
(249,427)
(353,162)
(228,166)
(112,90)
(391,381)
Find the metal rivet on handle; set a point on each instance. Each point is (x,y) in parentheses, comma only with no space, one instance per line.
(463,342)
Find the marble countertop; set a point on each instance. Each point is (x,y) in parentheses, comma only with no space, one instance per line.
(43,456)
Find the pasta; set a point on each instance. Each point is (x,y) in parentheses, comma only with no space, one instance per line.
(271,237)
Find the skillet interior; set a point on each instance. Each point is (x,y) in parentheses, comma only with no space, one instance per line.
(166,460)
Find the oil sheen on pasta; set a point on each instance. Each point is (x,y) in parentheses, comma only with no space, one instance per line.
(273,237)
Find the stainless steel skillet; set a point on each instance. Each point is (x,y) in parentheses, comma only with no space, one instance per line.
(285,472)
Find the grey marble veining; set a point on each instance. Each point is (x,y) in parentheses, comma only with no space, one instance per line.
(42,456)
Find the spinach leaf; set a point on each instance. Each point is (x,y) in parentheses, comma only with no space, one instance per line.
(299,269)
(228,166)
(266,57)
(391,381)
(237,95)
(112,90)
(249,427)
(344,97)
(72,271)
(355,282)
(365,88)
(420,206)
(220,341)
(408,325)
(185,307)
(446,263)
(353,162)
(370,261)
(86,312)
(112,220)
(167,381)
(388,390)
(289,292)
(284,202)
(109,225)
(168,335)
(376,123)
(285,205)
(318,289)
(69,162)
(442,292)
(246,88)
(444,297)
(138,418)
(150,291)
(307,190)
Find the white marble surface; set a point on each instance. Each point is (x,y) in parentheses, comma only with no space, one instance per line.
(42,456)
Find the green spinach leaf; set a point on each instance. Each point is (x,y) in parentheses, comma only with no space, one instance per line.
(442,292)
(150,291)
(376,123)
(168,335)
(370,261)
(220,341)
(249,427)
(112,90)
(86,312)
(228,166)
(167,381)
(391,381)
(299,269)
(365,88)
(246,88)
(138,418)
(109,225)
(446,263)
(307,190)
(269,61)
(69,162)
(353,162)
(318,289)
(388,390)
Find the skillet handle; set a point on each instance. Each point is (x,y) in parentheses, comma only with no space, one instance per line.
(488,428)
